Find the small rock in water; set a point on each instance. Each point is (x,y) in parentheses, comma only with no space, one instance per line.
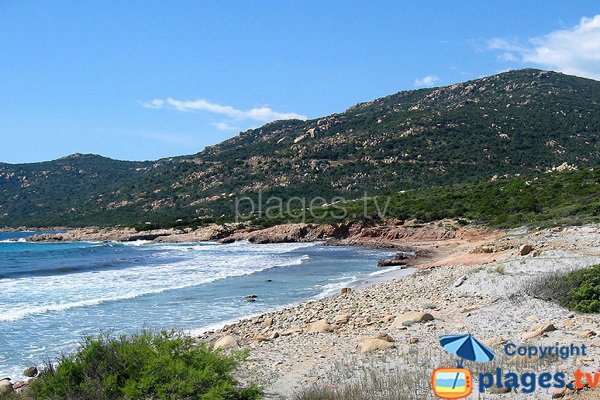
(30,372)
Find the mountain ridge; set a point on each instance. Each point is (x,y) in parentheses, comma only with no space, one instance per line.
(518,122)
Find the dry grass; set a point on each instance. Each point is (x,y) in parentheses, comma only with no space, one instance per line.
(386,377)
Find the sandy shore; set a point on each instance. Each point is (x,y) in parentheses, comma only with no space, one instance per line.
(466,286)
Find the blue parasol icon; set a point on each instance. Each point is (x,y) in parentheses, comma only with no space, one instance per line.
(467,347)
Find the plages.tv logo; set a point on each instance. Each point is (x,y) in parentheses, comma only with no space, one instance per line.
(457,383)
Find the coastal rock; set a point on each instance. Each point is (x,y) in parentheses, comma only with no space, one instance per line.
(30,372)
(497,390)
(322,326)
(261,338)
(412,317)
(267,323)
(374,344)
(341,319)
(460,281)
(495,341)
(391,262)
(345,290)
(539,330)
(588,333)
(383,336)
(226,342)
(525,249)
(5,386)
(291,331)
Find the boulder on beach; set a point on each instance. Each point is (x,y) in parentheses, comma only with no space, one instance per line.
(30,372)
(374,344)
(525,249)
(383,336)
(412,317)
(322,326)
(539,330)
(5,386)
(226,342)
(341,319)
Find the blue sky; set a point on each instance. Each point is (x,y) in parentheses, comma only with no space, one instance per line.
(148,79)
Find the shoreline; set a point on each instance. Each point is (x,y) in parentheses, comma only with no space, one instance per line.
(465,282)
(387,275)
(303,346)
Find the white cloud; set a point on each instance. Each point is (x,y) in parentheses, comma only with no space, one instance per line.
(224,126)
(156,103)
(428,80)
(262,114)
(573,51)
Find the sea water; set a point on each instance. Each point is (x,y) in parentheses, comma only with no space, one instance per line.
(54,294)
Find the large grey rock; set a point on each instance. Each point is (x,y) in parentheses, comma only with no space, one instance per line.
(6,386)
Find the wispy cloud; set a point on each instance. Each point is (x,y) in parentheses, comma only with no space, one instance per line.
(262,114)
(428,80)
(574,50)
(224,126)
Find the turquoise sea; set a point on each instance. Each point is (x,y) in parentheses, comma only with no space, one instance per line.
(51,295)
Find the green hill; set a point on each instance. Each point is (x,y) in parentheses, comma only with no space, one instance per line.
(518,122)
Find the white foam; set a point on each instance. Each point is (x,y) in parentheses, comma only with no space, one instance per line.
(25,296)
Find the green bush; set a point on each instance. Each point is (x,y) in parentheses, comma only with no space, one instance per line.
(577,290)
(584,295)
(166,365)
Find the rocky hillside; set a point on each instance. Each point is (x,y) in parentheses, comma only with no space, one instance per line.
(519,122)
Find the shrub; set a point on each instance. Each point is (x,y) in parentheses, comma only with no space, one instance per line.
(577,290)
(161,366)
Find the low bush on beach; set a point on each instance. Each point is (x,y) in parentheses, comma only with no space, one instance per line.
(161,366)
(577,290)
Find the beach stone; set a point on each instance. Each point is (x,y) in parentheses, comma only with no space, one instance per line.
(411,317)
(274,335)
(322,326)
(267,323)
(460,281)
(559,393)
(291,331)
(539,330)
(383,336)
(525,249)
(495,341)
(588,333)
(6,386)
(20,385)
(261,338)
(345,290)
(413,340)
(341,319)
(374,344)
(226,342)
(30,372)
(387,318)
(497,390)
